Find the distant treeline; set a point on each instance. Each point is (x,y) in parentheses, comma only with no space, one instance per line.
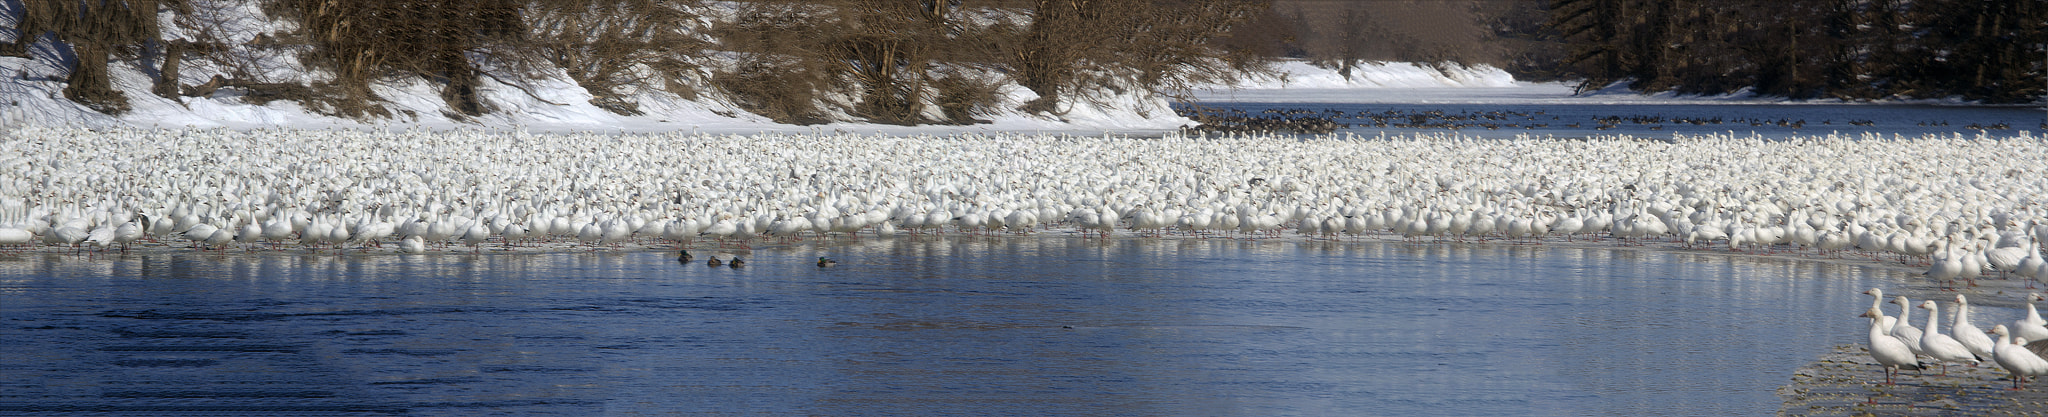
(946,61)
(1341,34)
(1988,50)
(797,61)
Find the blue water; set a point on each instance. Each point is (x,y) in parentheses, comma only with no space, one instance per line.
(931,326)
(1664,120)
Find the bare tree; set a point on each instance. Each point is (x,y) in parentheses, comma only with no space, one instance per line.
(365,40)
(612,47)
(95,30)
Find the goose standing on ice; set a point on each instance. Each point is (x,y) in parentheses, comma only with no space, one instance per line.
(1941,347)
(14,228)
(1968,333)
(2020,360)
(1947,268)
(1890,353)
(475,235)
(2031,327)
(1877,303)
(2006,260)
(127,233)
(1904,329)
(2032,266)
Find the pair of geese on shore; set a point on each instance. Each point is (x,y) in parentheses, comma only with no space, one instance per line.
(736,262)
(1897,345)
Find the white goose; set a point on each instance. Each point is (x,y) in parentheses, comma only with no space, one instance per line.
(2032,265)
(1890,353)
(1877,303)
(2031,327)
(2005,260)
(1904,329)
(127,233)
(412,244)
(2018,359)
(1968,333)
(1947,268)
(1939,346)
(14,229)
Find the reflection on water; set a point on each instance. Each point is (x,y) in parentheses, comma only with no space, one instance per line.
(1488,117)
(1035,326)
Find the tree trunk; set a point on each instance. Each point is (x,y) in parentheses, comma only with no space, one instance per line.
(167,76)
(89,83)
(460,93)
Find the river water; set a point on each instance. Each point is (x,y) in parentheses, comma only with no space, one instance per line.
(927,326)
(1549,110)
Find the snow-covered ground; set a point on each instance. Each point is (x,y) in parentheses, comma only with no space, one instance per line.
(1415,83)
(32,93)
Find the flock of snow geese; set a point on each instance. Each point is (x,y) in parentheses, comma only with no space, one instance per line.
(1898,345)
(1965,206)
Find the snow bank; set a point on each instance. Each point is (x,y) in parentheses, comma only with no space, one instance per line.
(1386,82)
(1301,75)
(31,94)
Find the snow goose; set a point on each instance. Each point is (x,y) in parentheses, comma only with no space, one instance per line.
(199,233)
(1890,353)
(1904,330)
(1941,347)
(14,230)
(221,238)
(615,231)
(249,234)
(339,233)
(101,237)
(475,235)
(2015,358)
(590,234)
(127,233)
(1877,302)
(315,233)
(1835,241)
(2032,265)
(412,244)
(1946,268)
(721,229)
(2031,327)
(1966,332)
(2007,259)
